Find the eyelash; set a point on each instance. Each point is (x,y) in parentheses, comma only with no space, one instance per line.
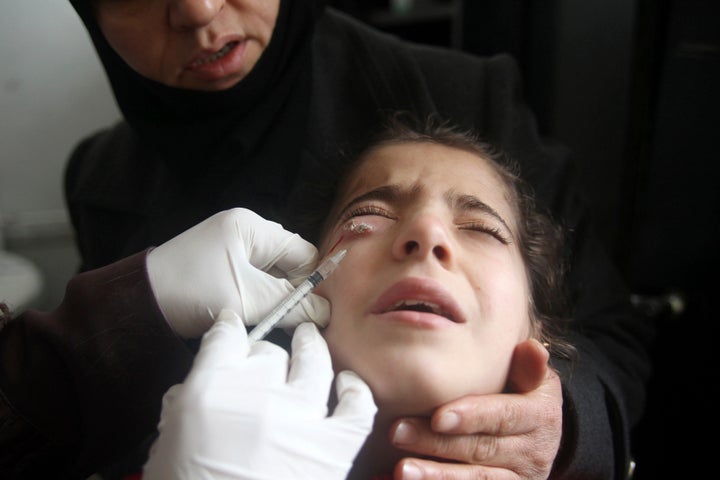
(366,210)
(477,227)
(482,228)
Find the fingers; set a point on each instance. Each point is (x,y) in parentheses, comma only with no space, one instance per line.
(528,455)
(516,432)
(270,247)
(355,401)
(495,414)
(310,366)
(268,361)
(415,435)
(223,343)
(529,366)
(508,413)
(313,308)
(299,260)
(416,469)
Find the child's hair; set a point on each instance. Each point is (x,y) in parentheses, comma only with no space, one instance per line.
(540,240)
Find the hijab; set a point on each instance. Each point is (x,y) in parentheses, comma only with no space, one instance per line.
(194,153)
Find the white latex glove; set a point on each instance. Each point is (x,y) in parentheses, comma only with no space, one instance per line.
(222,263)
(249,412)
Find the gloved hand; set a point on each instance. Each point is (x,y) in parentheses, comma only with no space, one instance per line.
(222,263)
(249,412)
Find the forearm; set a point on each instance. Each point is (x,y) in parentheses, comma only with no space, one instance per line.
(83,383)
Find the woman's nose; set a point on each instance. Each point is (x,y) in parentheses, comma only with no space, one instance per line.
(424,237)
(188,14)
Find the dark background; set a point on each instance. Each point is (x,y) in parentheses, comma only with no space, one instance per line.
(633,88)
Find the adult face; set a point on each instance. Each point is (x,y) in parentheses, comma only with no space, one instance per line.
(432,296)
(194,44)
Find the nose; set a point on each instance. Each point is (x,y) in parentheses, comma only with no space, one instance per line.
(424,237)
(189,14)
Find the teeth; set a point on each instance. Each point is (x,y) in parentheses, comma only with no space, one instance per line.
(217,55)
(433,307)
(421,306)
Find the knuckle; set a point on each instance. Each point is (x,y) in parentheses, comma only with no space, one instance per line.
(484,449)
(540,453)
(510,417)
(233,217)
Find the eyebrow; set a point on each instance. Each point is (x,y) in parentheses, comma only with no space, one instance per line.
(470,203)
(463,202)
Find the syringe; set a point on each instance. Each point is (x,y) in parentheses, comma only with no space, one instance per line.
(302,290)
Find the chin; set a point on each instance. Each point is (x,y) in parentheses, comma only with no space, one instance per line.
(410,396)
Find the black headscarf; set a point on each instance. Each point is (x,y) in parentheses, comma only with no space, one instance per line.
(183,123)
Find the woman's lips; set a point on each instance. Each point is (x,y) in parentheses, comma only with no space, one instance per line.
(418,300)
(217,64)
(209,58)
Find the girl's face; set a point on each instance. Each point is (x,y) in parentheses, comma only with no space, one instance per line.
(432,296)
(195,44)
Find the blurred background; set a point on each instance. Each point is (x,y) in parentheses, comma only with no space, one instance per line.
(631,86)
(52,92)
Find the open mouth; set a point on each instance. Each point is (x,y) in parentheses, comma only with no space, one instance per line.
(215,56)
(421,306)
(421,295)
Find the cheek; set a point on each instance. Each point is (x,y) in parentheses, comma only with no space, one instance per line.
(337,289)
(132,41)
(500,287)
(256,18)
(501,272)
(267,18)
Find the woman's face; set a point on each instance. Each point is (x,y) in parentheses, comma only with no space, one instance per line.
(195,44)
(432,296)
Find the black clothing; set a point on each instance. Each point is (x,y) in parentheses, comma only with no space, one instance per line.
(130,187)
(81,385)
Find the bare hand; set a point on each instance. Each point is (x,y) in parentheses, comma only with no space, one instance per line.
(512,435)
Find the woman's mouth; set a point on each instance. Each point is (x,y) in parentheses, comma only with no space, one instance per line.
(226,65)
(215,56)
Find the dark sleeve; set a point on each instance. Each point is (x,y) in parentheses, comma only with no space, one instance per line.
(604,391)
(82,384)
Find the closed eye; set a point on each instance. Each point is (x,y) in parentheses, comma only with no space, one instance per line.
(367,210)
(495,232)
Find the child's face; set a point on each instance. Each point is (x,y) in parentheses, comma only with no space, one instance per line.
(430,302)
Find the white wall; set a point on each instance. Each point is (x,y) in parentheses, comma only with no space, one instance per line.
(52,92)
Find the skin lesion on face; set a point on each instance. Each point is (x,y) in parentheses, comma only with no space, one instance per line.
(357,228)
(349,231)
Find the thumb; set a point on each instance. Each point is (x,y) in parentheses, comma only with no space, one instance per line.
(528,367)
(314,308)
(355,401)
(223,343)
